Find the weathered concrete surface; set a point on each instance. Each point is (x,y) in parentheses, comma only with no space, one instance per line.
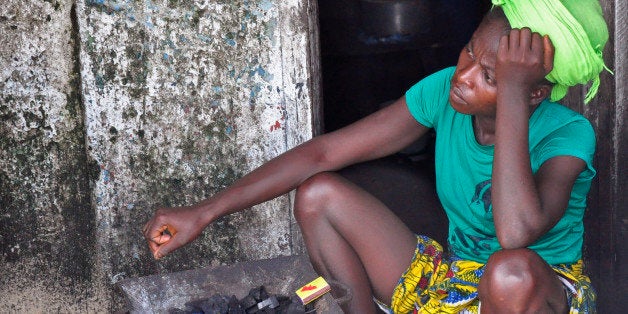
(110,109)
(46,223)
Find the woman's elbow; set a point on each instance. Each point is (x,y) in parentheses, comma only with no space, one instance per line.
(515,237)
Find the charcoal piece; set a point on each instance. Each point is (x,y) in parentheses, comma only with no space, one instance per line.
(194,304)
(194,307)
(270,303)
(234,306)
(295,306)
(252,310)
(310,309)
(259,293)
(284,301)
(217,304)
(248,302)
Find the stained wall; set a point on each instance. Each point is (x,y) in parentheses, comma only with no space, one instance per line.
(110,109)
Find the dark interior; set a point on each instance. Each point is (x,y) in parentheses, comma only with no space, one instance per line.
(372,52)
(369,58)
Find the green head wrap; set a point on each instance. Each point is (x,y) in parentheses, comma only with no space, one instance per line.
(577,30)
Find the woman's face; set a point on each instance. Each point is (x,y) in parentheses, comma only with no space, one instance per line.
(473,87)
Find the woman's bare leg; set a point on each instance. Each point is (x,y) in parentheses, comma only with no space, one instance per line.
(520,281)
(353,238)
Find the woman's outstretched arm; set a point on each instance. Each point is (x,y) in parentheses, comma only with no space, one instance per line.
(380,134)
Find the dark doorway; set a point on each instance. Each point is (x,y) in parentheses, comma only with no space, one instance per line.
(372,52)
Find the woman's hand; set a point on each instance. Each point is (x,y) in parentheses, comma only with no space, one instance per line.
(172,228)
(524,58)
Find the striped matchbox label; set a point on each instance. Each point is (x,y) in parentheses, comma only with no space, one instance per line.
(313,290)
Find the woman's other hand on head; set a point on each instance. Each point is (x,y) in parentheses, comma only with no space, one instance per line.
(548,55)
(172,228)
(524,58)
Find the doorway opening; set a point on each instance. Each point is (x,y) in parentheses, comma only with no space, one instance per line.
(372,52)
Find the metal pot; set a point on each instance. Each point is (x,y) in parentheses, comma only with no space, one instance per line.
(385,18)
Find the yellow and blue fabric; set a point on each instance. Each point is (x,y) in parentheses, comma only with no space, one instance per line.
(435,284)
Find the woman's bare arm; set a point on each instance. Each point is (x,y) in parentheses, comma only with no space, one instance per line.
(525,206)
(380,134)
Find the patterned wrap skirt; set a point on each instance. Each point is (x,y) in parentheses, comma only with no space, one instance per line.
(434,284)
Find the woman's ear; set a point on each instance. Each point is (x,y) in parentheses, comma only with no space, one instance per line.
(539,94)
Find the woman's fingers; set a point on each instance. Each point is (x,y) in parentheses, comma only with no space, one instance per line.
(153,246)
(525,39)
(145,228)
(162,238)
(157,237)
(166,247)
(548,54)
(536,44)
(513,39)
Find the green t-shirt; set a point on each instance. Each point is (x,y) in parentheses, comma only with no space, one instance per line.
(463,171)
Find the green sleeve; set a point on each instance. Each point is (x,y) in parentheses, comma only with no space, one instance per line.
(427,98)
(576,138)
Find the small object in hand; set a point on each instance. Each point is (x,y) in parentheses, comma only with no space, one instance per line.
(167,231)
(313,290)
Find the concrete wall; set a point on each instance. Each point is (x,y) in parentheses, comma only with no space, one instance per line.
(109,109)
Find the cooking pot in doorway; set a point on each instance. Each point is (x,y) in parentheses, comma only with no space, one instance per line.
(384,18)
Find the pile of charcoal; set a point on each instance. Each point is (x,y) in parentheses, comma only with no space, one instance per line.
(258,301)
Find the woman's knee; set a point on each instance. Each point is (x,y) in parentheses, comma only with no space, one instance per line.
(313,194)
(520,281)
(513,270)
